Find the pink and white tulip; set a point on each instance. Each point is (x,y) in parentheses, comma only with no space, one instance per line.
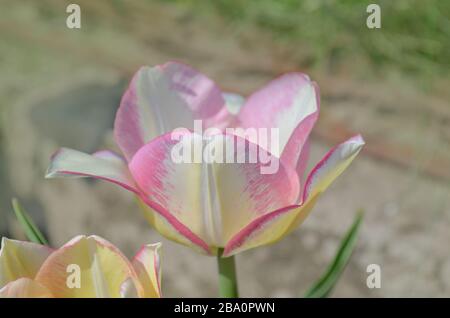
(213,205)
(35,271)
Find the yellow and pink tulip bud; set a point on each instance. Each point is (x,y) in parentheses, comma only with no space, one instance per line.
(84,267)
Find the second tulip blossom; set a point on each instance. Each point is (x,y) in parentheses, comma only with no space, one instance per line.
(83,267)
(211,205)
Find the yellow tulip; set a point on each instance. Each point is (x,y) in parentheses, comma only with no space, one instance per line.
(84,267)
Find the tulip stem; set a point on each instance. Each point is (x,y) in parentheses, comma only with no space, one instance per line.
(227,276)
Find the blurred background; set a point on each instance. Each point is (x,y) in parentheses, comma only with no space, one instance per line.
(61,87)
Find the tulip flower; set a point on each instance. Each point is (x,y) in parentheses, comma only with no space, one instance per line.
(83,267)
(214,206)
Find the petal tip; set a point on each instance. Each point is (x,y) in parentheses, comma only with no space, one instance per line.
(358,139)
(49,174)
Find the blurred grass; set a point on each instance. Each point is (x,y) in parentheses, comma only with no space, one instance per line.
(414,37)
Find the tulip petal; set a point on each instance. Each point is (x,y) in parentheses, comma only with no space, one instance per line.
(212,199)
(160,99)
(20,259)
(283,104)
(101,268)
(332,165)
(25,288)
(148,268)
(268,228)
(296,151)
(104,165)
(273,226)
(170,227)
(302,163)
(128,289)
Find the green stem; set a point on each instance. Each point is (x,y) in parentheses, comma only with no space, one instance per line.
(227,276)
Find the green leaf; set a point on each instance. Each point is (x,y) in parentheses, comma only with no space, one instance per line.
(30,229)
(324,286)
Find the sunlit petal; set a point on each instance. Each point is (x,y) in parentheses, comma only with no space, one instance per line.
(273,226)
(147,264)
(20,259)
(212,199)
(162,98)
(283,104)
(25,288)
(102,268)
(104,165)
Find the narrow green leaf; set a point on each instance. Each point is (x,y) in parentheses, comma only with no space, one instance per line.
(30,229)
(324,286)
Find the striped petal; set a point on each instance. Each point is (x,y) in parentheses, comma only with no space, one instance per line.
(296,151)
(302,163)
(331,166)
(88,267)
(273,226)
(20,259)
(162,98)
(148,268)
(170,227)
(25,288)
(104,165)
(283,104)
(213,200)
